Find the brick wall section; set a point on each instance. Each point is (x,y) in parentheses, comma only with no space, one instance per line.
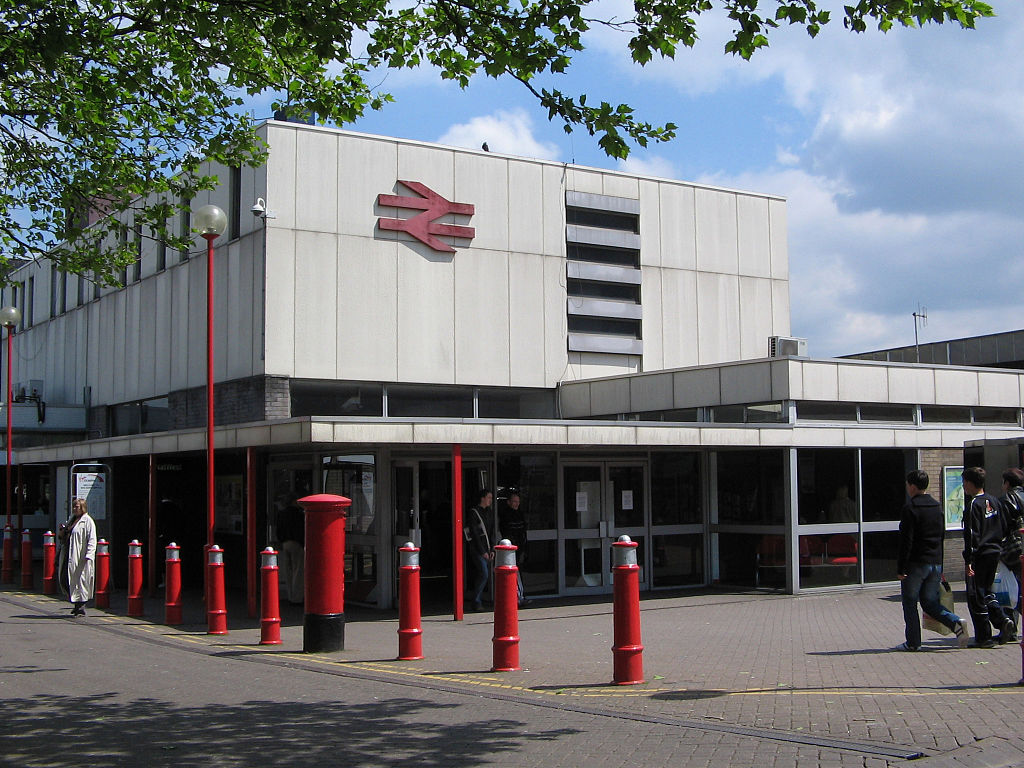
(257,398)
(932,462)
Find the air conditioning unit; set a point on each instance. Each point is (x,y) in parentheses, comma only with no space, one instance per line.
(786,346)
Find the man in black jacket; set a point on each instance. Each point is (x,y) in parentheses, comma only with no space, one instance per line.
(984,531)
(480,553)
(919,562)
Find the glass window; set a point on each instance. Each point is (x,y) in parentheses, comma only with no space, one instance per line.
(675,489)
(751,487)
(827,479)
(582,496)
(627,489)
(883,480)
(737,558)
(516,403)
(156,415)
(590,289)
(949,414)
(880,550)
(678,560)
(451,402)
(765,413)
(613,326)
(126,419)
(814,411)
(901,414)
(533,475)
(984,415)
(586,217)
(621,257)
(829,560)
(727,414)
(539,567)
(332,398)
(684,415)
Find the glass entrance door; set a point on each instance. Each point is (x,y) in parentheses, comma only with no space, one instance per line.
(600,502)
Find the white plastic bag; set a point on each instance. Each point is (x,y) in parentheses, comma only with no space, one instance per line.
(1005,587)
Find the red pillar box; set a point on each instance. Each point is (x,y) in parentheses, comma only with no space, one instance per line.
(7,572)
(323,626)
(135,600)
(627,652)
(270,604)
(172,585)
(410,631)
(506,609)
(26,560)
(49,563)
(102,573)
(216,606)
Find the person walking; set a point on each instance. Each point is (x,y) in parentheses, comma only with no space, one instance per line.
(984,531)
(919,562)
(512,524)
(1012,502)
(480,554)
(78,538)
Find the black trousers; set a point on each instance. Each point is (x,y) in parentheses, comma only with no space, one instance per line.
(981,600)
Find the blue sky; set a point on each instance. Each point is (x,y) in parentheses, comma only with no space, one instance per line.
(901,157)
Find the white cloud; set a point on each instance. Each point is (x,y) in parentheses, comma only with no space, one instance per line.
(507,132)
(649,165)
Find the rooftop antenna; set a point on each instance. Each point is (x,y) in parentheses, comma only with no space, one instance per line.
(920,316)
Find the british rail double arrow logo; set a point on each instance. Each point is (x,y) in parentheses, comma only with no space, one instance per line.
(424,226)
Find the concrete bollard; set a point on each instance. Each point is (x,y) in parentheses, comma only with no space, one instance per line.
(27,582)
(505,651)
(136,606)
(49,563)
(410,630)
(216,610)
(627,652)
(172,585)
(102,573)
(270,603)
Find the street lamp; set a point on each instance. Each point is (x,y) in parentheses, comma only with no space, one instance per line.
(211,222)
(9,319)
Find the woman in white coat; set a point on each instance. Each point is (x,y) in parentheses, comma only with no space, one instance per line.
(80,542)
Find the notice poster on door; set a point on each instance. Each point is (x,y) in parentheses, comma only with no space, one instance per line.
(627,500)
(581,501)
(92,486)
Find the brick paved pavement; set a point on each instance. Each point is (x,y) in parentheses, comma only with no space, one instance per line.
(731,680)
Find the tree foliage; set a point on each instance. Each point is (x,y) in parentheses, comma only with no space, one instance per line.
(110,102)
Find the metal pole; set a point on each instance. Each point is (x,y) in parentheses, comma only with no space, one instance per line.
(457,537)
(209,389)
(10,347)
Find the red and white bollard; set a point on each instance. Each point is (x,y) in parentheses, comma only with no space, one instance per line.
(216,610)
(627,652)
(135,600)
(27,582)
(270,602)
(410,631)
(102,573)
(7,571)
(49,563)
(172,585)
(505,652)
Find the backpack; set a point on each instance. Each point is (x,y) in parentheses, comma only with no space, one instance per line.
(1013,545)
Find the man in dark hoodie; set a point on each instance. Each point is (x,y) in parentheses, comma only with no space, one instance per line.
(984,531)
(919,562)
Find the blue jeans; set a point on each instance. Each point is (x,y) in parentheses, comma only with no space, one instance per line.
(481,565)
(922,584)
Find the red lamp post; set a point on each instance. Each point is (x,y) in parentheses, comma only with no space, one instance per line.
(211,222)
(9,319)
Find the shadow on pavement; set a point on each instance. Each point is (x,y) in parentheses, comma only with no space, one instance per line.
(66,731)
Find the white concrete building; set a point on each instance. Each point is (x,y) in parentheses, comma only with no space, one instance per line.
(595,339)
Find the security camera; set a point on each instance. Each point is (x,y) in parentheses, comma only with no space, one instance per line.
(259,207)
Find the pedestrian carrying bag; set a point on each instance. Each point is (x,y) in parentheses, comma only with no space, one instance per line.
(946,601)
(1005,587)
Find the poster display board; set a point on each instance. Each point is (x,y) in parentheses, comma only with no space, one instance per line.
(953,497)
